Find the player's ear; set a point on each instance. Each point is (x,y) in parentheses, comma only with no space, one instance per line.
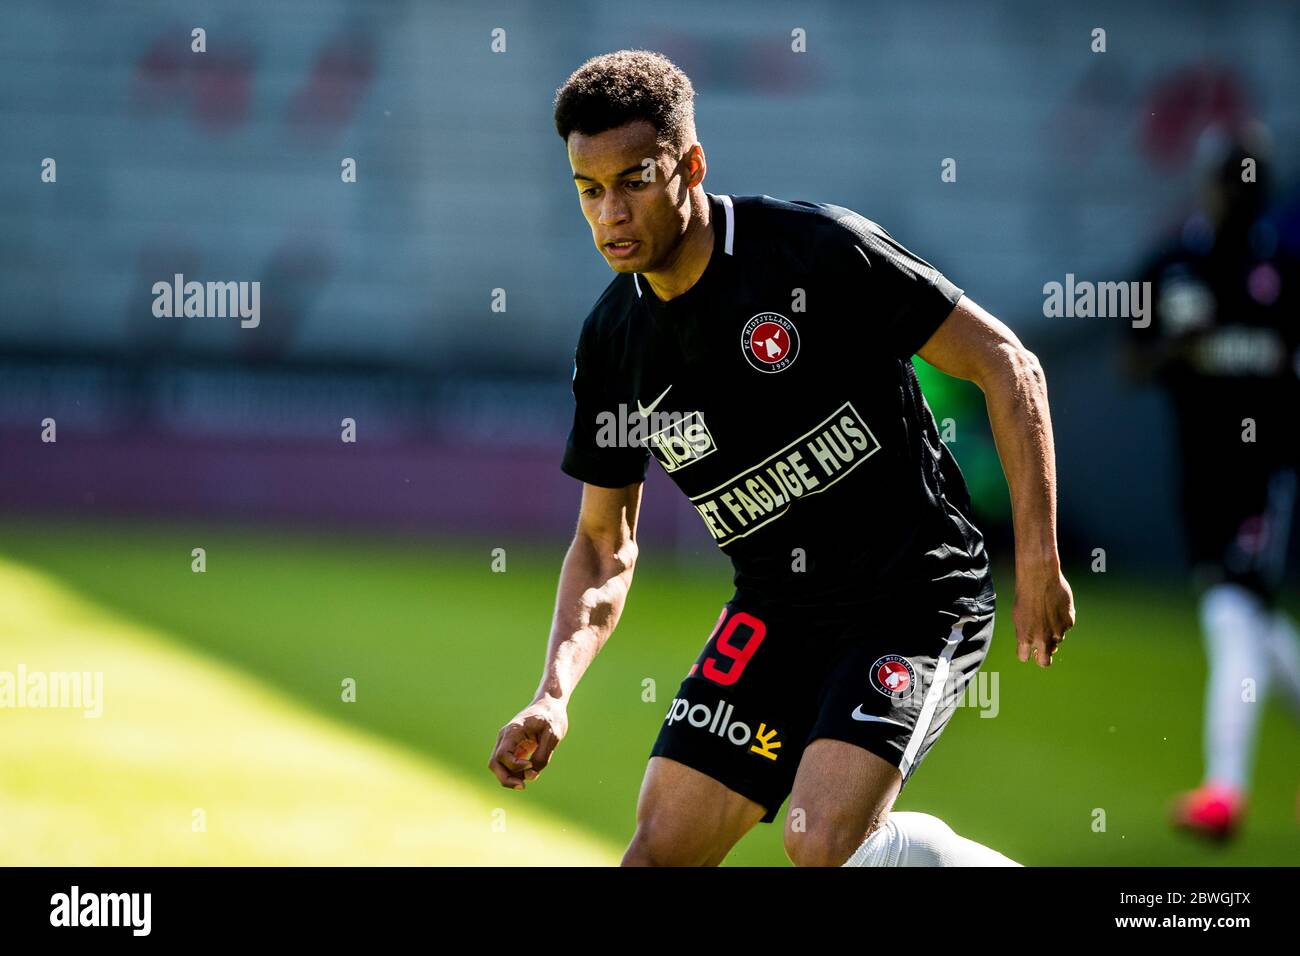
(695,165)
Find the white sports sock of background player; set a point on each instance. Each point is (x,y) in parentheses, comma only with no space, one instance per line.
(1235,626)
(1284,651)
(919,839)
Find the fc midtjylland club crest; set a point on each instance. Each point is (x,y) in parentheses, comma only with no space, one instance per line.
(894,676)
(770,342)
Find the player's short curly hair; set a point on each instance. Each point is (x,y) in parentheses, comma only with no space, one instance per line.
(616,88)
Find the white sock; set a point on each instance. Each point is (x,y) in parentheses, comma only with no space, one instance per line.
(1235,627)
(919,839)
(1284,654)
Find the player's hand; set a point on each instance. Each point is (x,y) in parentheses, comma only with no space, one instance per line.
(1043,612)
(524,745)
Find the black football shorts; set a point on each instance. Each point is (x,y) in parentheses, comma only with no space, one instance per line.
(769,681)
(1238,525)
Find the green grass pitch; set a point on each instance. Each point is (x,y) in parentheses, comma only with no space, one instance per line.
(250,655)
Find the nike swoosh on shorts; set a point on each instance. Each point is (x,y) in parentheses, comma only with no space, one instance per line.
(859,715)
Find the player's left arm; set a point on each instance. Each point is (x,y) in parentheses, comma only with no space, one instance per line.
(974,345)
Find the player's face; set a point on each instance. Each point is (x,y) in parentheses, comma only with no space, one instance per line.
(633,193)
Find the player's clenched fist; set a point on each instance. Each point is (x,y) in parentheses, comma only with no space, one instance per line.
(524,745)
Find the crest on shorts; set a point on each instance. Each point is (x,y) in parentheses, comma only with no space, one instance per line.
(893,676)
(770,342)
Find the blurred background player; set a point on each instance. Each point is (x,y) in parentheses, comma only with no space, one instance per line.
(1222,343)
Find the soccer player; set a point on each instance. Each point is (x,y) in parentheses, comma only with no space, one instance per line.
(761,351)
(1224,343)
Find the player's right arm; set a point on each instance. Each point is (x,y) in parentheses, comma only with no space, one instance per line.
(594,582)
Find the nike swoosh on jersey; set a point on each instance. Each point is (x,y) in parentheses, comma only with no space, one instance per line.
(647,409)
(859,715)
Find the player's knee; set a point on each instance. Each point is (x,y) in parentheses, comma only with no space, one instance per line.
(820,845)
(660,845)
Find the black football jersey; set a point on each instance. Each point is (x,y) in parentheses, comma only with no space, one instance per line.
(778,394)
(1223,314)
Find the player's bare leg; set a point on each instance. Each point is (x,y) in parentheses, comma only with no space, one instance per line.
(846,795)
(686,818)
(841,794)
